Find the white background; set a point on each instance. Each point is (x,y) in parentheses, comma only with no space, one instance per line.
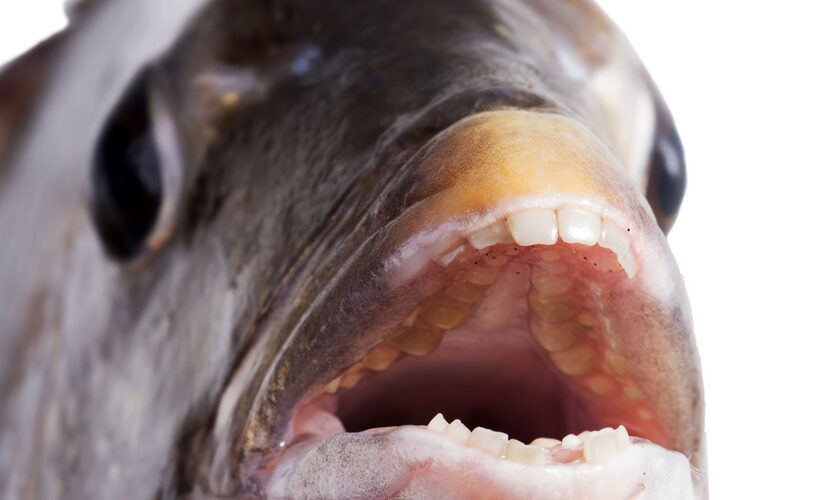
(745,83)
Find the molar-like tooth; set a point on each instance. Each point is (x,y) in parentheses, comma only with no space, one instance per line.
(552,311)
(548,284)
(632,393)
(420,341)
(628,263)
(524,453)
(546,442)
(555,337)
(458,432)
(446,259)
(438,424)
(445,312)
(492,442)
(571,442)
(603,445)
(614,238)
(380,358)
(579,226)
(600,385)
(493,234)
(575,361)
(352,377)
(536,226)
(482,275)
(466,292)
(332,386)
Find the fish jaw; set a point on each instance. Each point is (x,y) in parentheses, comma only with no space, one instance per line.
(491,255)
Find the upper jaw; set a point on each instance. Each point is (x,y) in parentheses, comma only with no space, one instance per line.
(484,172)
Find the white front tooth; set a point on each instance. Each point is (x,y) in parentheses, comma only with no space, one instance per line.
(579,226)
(546,442)
(492,442)
(628,263)
(493,234)
(536,226)
(446,259)
(438,424)
(614,238)
(603,445)
(524,453)
(571,442)
(458,432)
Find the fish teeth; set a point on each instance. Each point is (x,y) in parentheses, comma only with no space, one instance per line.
(493,234)
(606,444)
(544,226)
(526,454)
(579,226)
(457,432)
(536,226)
(438,424)
(491,442)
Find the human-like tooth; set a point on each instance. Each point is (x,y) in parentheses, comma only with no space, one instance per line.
(587,319)
(493,234)
(552,311)
(458,432)
(482,275)
(524,453)
(632,393)
(571,441)
(438,424)
(445,312)
(352,377)
(600,385)
(492,442)
(381,358)
(579,226)
(603,445)
(446,259)
(546,442)
(555,337)
(421,340)
(549,285)
(616,362)
(536,226)
(332,387)
(614,238)
(575,361)
(628,263)
(465,292)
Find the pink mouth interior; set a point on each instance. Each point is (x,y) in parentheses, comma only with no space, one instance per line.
(534,348)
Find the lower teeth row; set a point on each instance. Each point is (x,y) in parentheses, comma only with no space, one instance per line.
(589,446)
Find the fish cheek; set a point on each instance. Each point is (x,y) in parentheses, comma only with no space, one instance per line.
(667,176)
(135,173)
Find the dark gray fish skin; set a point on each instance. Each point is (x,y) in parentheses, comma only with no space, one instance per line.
(295,121)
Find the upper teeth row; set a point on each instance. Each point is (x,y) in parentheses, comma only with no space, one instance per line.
(543,226)
(594,447)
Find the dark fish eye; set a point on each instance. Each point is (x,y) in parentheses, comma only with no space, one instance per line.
(667,173)
(127,187)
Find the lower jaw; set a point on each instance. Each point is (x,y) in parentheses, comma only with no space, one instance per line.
(510,352)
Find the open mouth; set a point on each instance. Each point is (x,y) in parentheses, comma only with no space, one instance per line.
(518,365)
(540,342)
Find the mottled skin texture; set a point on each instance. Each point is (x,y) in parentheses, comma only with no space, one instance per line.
(160,375)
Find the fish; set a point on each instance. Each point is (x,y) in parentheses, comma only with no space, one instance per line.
(376,249)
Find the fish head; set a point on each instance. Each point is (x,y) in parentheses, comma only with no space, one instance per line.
(279,237)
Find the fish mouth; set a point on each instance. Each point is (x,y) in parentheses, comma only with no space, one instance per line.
(543,353)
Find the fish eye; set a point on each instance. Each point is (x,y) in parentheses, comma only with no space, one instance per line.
(129,178)
(667,173)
